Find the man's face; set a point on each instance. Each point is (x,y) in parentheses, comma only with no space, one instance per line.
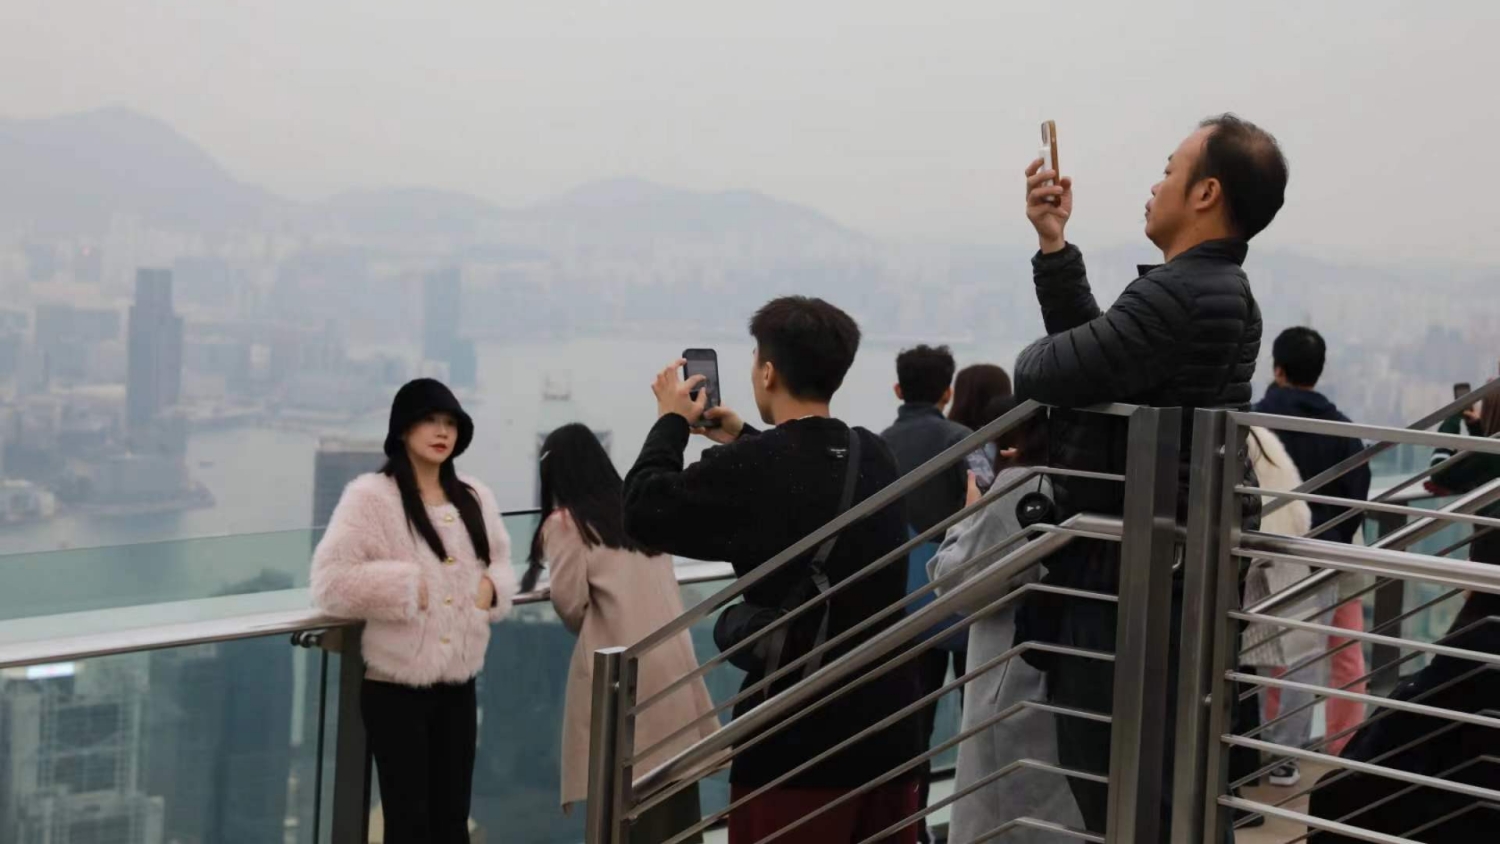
(1168,211)
(759,374)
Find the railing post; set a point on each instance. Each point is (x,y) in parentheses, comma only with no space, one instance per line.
(1225,636)
(1390,603)
(603,762)
(350,819)
(624,735)
(1142,659)
(1200,581)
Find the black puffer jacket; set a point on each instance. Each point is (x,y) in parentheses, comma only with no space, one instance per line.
(1185,334)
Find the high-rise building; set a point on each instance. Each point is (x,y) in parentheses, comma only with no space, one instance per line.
(73,738)
(442,308)
(154,378)
(338,462)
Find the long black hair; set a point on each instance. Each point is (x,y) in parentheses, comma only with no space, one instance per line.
(460,494)
(577,476)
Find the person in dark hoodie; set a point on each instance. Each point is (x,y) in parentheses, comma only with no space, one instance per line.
(747,500)
(1298,357)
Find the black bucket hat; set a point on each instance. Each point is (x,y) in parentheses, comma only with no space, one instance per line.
(415,401)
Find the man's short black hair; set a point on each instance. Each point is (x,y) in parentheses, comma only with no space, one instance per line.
(810,342)
(925,373)
(1249,165)
(1300,352)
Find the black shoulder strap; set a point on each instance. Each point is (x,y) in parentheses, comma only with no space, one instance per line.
(817,573)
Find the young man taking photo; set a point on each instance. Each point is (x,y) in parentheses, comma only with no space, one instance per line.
(750,498)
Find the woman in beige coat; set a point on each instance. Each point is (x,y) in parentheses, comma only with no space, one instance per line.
(612,592)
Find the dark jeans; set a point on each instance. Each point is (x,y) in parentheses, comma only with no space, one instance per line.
(423,743)
(932,671)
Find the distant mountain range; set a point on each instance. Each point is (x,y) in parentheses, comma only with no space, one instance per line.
(71,174)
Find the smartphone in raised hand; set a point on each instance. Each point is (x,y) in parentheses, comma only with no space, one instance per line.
(1048,152)
(703,362)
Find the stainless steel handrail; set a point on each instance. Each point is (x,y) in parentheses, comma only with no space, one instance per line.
(884,498)
(874,504)
(831,675)
(245,626)
(1404,537)
(1349,464)
(1392,564)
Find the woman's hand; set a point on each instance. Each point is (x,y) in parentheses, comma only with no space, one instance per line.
(973,494)
(486,599)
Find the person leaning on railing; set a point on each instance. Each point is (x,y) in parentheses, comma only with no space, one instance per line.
(418,553)
(612,591)
(1185,334)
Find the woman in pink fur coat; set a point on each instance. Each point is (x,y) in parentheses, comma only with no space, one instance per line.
(409,550)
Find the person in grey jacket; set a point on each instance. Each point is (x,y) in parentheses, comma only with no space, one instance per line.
(1027,734)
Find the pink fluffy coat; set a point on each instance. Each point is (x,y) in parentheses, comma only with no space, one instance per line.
(370,565)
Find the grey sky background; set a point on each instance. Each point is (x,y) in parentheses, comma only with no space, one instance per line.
(903,119)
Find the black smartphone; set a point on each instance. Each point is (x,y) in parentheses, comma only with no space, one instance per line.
(703,362)
(1462,389)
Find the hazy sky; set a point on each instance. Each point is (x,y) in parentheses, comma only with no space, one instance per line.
(900,118)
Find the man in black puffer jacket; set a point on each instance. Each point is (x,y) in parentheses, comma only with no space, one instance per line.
(1185,334)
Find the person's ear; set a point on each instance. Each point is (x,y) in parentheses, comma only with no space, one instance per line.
(1207,194)
(947,397)
(899,396)
(769,378)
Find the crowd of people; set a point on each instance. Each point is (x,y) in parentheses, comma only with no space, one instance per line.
(418,553)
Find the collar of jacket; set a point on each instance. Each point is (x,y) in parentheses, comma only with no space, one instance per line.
(915,409)
(1228,249)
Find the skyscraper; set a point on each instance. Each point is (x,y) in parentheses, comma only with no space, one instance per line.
(442,307)
(154,378)
(338,462)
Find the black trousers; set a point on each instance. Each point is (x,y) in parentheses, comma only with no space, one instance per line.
(423,743)
(1089,684)
(932,671)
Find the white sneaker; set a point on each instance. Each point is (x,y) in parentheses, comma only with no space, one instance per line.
(1286,775)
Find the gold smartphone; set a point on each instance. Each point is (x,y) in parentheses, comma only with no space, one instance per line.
(1049,151)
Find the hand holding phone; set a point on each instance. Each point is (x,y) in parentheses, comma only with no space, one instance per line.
(1049,195)
(704,363)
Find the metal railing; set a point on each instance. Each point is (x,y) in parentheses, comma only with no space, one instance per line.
(1206,795)
(246,617)
(1204,557)
(889,638)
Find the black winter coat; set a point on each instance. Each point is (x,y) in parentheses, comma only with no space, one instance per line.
(1185,334)
(743,504)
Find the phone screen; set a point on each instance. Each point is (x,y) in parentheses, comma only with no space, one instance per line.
(706,363)
(1461,390)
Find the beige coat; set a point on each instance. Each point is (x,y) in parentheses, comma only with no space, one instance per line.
(614,598)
